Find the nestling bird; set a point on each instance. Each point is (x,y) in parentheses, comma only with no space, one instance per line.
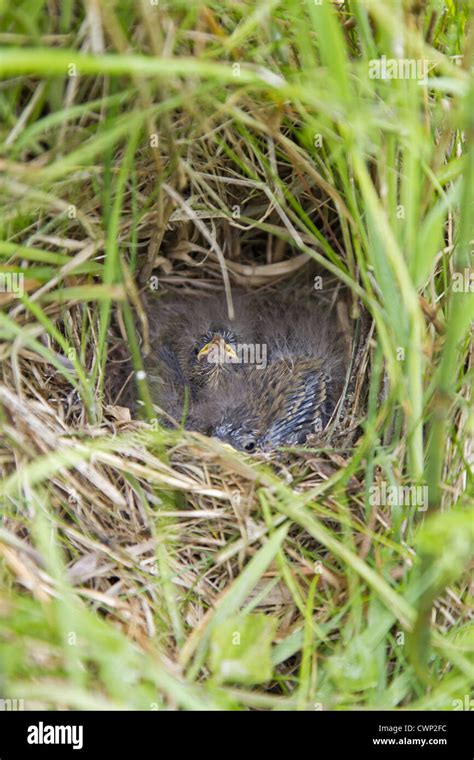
(282,404)
(251,406)
(296,394)
(193,352)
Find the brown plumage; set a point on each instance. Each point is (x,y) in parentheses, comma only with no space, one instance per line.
(281,405)
(193,342)
(292,395)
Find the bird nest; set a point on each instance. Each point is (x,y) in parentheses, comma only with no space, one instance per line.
(123,487)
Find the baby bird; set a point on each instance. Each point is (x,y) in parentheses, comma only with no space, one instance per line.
(195,364)
(193,351)
(282,405)
(296,394)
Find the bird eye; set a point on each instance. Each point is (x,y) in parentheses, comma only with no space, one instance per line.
(249,446)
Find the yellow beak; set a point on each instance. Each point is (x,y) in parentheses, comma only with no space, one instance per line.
(217,342)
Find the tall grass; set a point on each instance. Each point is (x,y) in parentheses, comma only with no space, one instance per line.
(126,547)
